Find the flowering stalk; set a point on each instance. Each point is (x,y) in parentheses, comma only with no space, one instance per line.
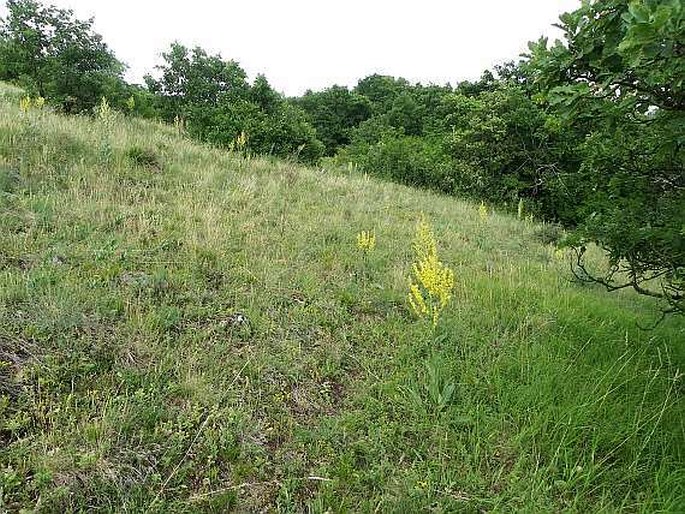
(431,288)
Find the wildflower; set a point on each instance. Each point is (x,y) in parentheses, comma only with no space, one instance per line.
(131,103)
(240,142)
(483,211)
(520,209)
(104,111)
(418,304)
(366,241)
(179,123)
(431,288)
(25,104)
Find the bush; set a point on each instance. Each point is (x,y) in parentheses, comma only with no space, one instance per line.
(409,160)
(219,104)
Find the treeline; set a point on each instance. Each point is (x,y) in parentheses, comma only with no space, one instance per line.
(53,55)
(588,133)
(489,140)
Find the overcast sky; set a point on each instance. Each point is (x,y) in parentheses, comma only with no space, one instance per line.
(312,44)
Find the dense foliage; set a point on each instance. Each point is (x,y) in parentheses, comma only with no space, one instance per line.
(622,79)
(218,104)
(53,55)
(488,139)
(334,113)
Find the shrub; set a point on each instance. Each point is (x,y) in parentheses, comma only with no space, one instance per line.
(409,160)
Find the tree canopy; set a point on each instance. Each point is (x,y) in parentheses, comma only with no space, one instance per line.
(218,103)
(52,54)
(621,79)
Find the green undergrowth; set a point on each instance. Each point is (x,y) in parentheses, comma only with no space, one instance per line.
(185,330)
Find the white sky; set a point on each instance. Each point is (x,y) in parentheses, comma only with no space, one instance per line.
(312,44)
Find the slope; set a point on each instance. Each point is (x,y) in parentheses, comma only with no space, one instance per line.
(183,330)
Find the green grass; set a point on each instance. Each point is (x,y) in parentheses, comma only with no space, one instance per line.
(130,383)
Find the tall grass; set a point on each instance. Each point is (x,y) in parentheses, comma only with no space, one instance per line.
(199,335)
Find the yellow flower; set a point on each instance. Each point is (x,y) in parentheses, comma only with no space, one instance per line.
(25,104)
(431,288)
(104,110)
(366,241)
(483,211)
(240,143)
(418,304)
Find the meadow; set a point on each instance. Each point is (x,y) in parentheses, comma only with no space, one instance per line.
(184,329)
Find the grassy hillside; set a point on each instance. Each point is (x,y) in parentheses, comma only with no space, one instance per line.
(183,330)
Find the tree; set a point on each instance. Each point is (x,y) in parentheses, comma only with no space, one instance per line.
(505,147)
(285,132)
(192,82)
(218,104)
(264,95)
(405,113)
(381,90)
(621,78)
(50,53)
(335,112)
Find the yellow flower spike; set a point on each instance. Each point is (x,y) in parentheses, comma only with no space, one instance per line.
(416,301)
(104,109)
(432,284)
(366,241)
(483,211)
(25,104)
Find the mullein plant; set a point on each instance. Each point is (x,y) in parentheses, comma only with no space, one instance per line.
(239,144)
(180,124)
(366,241)
(106,116)
(432,282)
(104,111)
(27,103)
(483,212)
(131,104)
